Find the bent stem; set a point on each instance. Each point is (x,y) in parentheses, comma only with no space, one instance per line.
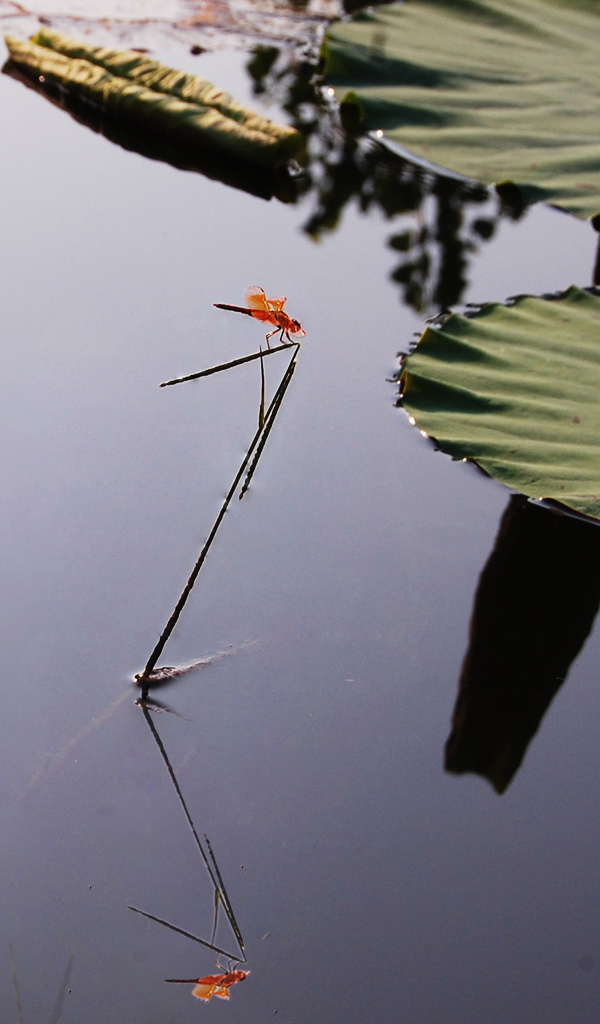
(271,412)
(268,422)
(261,408)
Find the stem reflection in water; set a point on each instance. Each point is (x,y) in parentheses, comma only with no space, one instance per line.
(57,1008)
(220,893)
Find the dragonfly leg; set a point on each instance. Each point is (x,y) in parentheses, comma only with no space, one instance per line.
(271,333)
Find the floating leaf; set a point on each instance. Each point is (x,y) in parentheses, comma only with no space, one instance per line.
(497,90)
(517,389)
(137,89)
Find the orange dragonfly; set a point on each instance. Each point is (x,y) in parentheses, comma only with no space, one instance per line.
(269,311)
(213,984)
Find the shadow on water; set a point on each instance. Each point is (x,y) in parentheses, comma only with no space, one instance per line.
(534,607)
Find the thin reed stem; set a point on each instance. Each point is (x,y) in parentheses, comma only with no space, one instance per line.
(188,935)
(143,679)
(261,408)
(223,366)
(269,421)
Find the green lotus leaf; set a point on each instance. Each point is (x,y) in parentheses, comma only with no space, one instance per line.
(143,92)
(502,91)
(516,389)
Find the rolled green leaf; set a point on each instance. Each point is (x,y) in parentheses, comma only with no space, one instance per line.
(130,86)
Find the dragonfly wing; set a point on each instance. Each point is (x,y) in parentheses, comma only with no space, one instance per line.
(277,304)
(259,305)
(255,298)
(222,993)
(205,991)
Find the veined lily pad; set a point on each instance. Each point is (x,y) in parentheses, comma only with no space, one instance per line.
(516,389)
(496,90)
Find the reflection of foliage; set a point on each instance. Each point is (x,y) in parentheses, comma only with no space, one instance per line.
(435,245)
(288,79)
(454,243)
(486,88)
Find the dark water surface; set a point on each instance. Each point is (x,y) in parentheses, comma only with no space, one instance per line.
(370,884)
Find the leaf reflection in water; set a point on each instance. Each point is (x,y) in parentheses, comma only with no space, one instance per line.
(535,605)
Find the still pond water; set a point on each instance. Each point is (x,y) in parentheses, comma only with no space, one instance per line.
(370,884)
